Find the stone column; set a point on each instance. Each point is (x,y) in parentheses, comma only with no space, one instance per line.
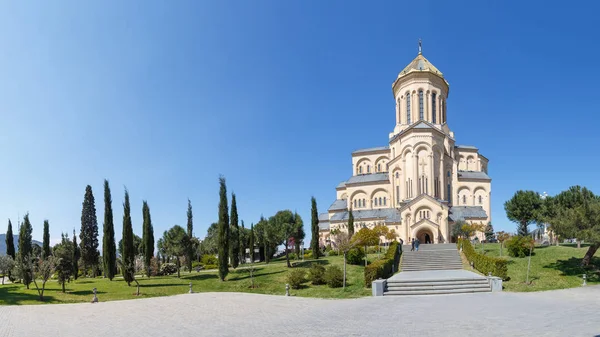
(415,174)
(430,174)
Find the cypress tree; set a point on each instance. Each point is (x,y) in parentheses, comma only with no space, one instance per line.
(234,239)
(46,241)
(89,232)
(314,217)
(190,231)
(109,247)
(76,256)
(147,237)
(10,241)
(223,237)
(350,223)
(251,243)
(128,249)
(242,243)
(25,249)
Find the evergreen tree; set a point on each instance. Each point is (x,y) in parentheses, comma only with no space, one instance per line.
(299,234)
(147,237)
(242,237)
(89,232)
(46,241)
(10,241)
(524,208)
(63,252)
(25,250)
(190,231)
(314,227)
(223,237)
(128,249)
(234,235)
(109,248)
(350,224)
(251,243)
(76,256)
(489,232)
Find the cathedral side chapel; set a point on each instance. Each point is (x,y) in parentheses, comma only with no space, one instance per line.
(421,183)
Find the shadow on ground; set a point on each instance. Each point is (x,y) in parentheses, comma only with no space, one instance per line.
(572,267)
(10,295)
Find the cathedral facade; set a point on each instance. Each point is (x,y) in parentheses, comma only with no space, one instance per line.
(421,182)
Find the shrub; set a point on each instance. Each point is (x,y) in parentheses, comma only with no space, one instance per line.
(519,246)
(332,253)
(296,277)
(210,266)
(356,256)
(316,274)
(168,269)
(308,254)
(383,268)
(208,259)
(485,264)
(334,277)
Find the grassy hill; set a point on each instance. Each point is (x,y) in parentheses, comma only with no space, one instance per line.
(3,243)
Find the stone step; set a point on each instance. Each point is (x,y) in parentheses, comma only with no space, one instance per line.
(431,268)
(439,287)
(406,268)
(436,292)
(454,265)
(414,283)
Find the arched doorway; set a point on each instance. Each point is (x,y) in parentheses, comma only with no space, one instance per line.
(425,236)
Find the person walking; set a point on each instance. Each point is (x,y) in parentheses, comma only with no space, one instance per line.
(412,245)
(417,243)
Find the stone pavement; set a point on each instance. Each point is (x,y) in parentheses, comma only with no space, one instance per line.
(572,312)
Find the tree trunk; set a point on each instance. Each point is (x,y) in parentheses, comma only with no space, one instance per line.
(287,255)
(63,286)
(578,243)
(589,254)
(178,267)
(365,256)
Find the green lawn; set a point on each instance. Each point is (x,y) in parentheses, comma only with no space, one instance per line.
(269,279)
(552,267)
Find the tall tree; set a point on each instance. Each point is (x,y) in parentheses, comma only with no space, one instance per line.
(76,256)
(314,228)
(128,258)
(284,222)
(46,240)
(576,214)
(190,234)
(524,209)
(223,230)
(234,234)
(350,223)
(25,250)
(299,234)
(243,242)
(251,243)
(489,232)
(147,237)
(6,265)
(10,241)
(109,247)
(89,232)
(63,252)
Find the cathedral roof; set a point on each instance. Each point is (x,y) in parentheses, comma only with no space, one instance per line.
(339,204)
(467,212)
(473,175)
(324,221)
(466,147)
(368,178)
(420,64)
(388,214)
(372,149)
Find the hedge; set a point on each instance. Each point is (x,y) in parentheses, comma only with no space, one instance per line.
(485,264)
(384,268)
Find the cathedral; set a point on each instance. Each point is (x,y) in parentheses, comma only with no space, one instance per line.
(421,182)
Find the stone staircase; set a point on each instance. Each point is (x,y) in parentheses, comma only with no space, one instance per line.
(434,269)
(431,257)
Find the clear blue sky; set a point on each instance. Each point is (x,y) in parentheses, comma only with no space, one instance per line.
(162,97)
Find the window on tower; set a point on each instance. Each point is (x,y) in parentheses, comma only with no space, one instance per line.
(360,170)
(480,200)
(433,97)
(421,117)
(368,168)
(407,108)
(378,167)
(464,199)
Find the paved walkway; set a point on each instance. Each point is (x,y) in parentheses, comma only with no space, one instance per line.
(572,312)
(438,275)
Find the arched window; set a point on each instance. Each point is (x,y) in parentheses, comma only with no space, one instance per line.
(397,193)
(380,201)
(433,97)
(464,199)
(375,201)
(378,167)
(364,203)
(355,203)
(397,175)
(384,201)
(368,168)
(360,170)
(407,108)
(480,200)
(421,109)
